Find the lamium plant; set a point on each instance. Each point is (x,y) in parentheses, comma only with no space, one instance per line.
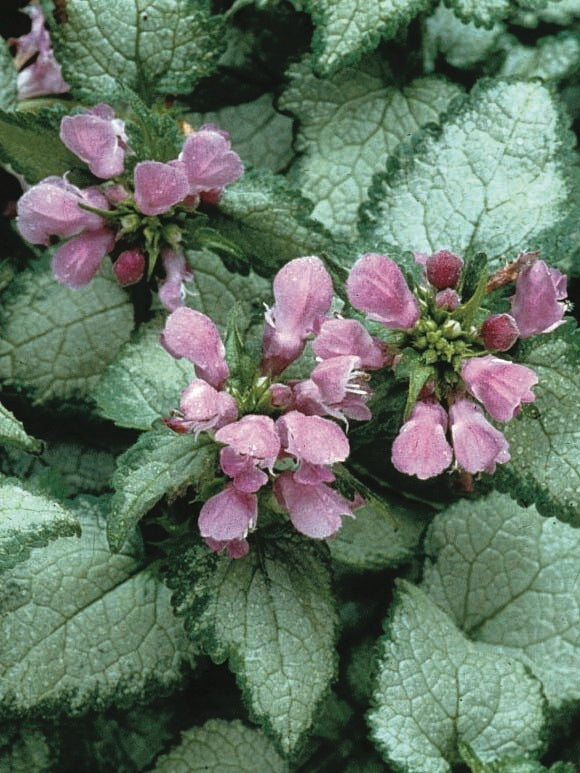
(289,460)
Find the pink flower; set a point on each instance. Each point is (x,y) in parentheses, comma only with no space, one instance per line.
(478,446)
(228,515)
(377,285)
(193,335)
(177,272)
(499,332)
(302,297)
(314,442)
(499,385)
(335,387)
(210,163)
(203,408)
(421,447)
(252,442)
(51,208)
(315,510)
(158,187)
(77,261)
(443,269)
(98,138)
(44,75)
(129,267)
(347,336)
(235,548)
(536,305)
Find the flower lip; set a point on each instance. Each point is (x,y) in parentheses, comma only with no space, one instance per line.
(477,445)
(421,447)
(501,386)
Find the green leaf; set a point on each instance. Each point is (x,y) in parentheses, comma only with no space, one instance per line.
(544,441)
(272,615)
(507,577)
(29,521)
(143,383)
(56,342)
(25,748)
(270,221)
(13,432)
(436,690)
(463,45)
(161,462)
(260,135)
(219,746)
(495,178)
(8,88)
(30,145)
(551,59)
(385,531)
(483,13)
(154,47)
(510,764)
(82,629)
(347,29)
(348,126)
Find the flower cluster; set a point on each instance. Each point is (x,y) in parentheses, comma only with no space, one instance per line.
(39,73)
(134,218)
(454,348)
(273,431)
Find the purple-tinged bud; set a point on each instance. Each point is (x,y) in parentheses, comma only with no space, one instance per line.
(193,335)
(377,285)
(348,337)
(77,261)
(536,305)
(302,297)
(228,515)
(129,267)
(477,445)
(314,509)
(210,163)
(447,299)
(421,447)
(158,187)
(443,269)
(499,332)
(97,138)
(501,386)
(51,208)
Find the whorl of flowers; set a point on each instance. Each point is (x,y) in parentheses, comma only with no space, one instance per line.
(134,218)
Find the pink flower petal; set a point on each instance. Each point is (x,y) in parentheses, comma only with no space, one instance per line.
(478,446)
(203,408)
(193,335)
(99,141)
(500,385)
(347,336)
(421,447)
(315,510)
(77,261)
(377,285)
(210,162)
(158,187)
(228,515)
(177,273)
(312,439)
(235,548)
(536,305)
(253,435)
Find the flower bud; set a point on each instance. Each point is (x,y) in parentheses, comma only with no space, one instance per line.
(129,267)
(443,269)
(447,299)
(499,332)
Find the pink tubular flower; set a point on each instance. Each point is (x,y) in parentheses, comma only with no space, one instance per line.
(177,272)
(77,261)
(314,442)
(44,75)
(97,138)
(129,267)
(421,448)
(501,386)
(302,297)
(210,163)
(499,332)
(158,187)
(336,388)
(252,442)
(536,305)
(348,337)
(51,208)
(193,335)
(203,408)
(315,510)
(377,285)
(228,515)
(477,445)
